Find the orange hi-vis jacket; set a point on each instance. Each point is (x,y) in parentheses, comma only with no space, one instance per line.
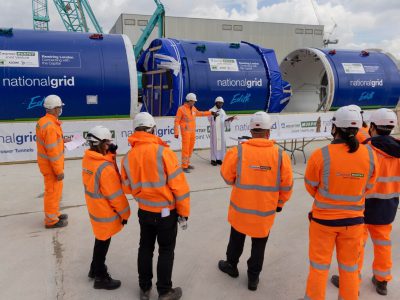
(382,201)
(362,134)
(262,179)
(338,180)
(105,199)
(151,173)
(186,118)
(50,145)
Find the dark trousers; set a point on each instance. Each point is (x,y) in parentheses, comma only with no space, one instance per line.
(235,250)
(99,257)
(153,227)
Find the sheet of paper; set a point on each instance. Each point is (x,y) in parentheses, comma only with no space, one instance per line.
(75,143)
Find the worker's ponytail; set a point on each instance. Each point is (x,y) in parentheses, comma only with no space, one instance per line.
(349,136)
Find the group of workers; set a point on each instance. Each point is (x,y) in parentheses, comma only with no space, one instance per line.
(355,183)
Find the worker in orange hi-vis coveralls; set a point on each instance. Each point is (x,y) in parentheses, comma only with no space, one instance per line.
(382,201)
(186,120)
(363,132)
(337,177)
(50,158)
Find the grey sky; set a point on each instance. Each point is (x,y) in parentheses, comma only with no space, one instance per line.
(360,23)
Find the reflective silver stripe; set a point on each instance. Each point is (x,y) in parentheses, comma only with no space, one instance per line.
(51,216)
(93,195)
(312,183)
(98,175)
(115,195)
(160,169)
(286,188)
(331,206)
(339,197)
(306,298)
(153,203)
(371,164)
(45,125)
(388,179)
(226,181)
(318,266)
(381,273)
(382,242)
(104,220)
(253,186)
(382,196)
(370,186)
(326,168)
(174,174)
(346,268)
(48,146)
(253,211)
(183,197)
(126,209)
(51,158)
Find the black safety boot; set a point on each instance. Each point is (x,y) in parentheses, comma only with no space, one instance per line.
(252,284)
(91,271)
(173,294)
(63,217)
(106,282)
(145,295)
(59,224)
(214,162)
(227,268)
(335,280)
(381,286)
(219,162)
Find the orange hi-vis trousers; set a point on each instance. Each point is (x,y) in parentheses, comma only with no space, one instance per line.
(348,242)
(380,236)
(188,141)
(52,197)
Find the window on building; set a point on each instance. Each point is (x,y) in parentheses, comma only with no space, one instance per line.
(129,21)
(226,27)
(142,22)
(299,31)
(318,32)
(309,31)
(237,27)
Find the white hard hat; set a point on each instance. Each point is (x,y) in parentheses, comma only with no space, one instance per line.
(98,134)
(219,99)
(383,117)
(191,97)
(346,117)
(52,101)
(143,119)
(260,120)
(356,107)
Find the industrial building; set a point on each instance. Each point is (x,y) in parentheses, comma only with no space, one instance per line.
(283,38)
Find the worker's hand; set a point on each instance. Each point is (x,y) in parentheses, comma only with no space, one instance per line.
(278,209)
(310,216)
(60,177)
(176,136)
(112,148)
(215,114)
(124,222)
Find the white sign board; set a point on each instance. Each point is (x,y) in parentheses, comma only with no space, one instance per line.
(18,140)
(223,64)
(353,68)
(25,59)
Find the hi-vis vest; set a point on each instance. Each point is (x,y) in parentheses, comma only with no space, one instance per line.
(262,179)
(338,181)
(151,173)
(50,145)
(105,200)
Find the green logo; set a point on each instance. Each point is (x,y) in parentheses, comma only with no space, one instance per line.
(309,124)
(359,175)
(25,53)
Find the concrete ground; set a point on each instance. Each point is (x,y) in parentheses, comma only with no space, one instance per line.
(53,264)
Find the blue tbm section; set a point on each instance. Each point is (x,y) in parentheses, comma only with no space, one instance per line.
(245,75)
(34,64)
(367,79)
